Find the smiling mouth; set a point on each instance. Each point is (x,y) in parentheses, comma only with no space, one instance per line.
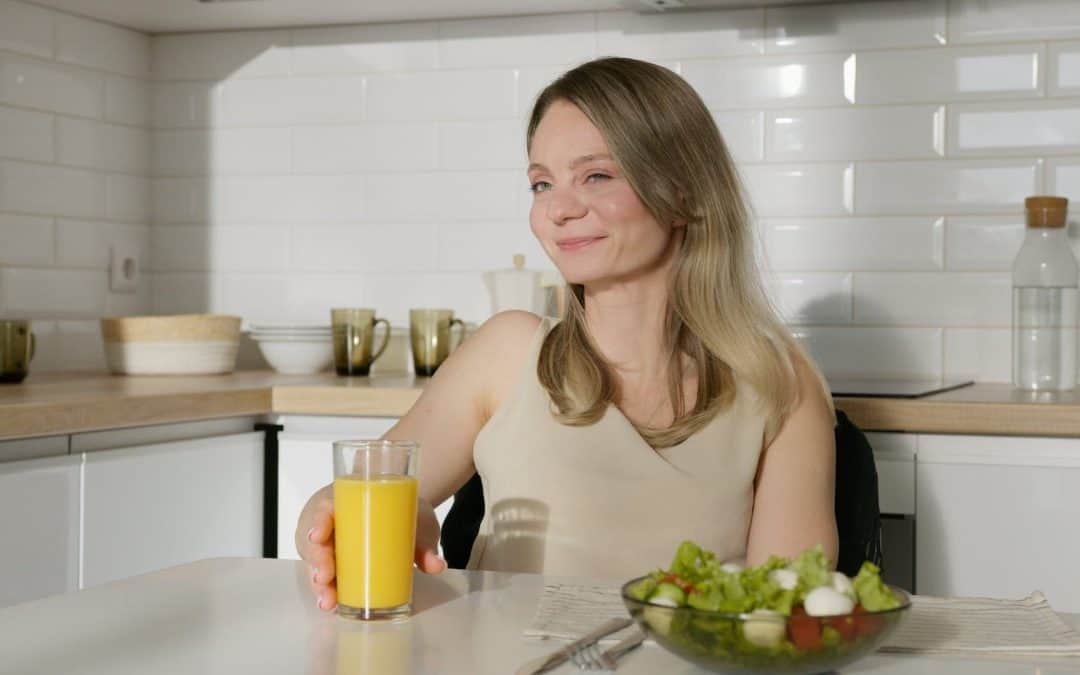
(576,244)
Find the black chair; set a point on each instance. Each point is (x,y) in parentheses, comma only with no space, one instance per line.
(858,519)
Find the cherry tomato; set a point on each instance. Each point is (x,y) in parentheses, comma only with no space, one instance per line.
(804,631)
(685,585)
(866,623)
(845,625)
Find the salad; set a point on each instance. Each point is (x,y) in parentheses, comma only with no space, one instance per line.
(784,606)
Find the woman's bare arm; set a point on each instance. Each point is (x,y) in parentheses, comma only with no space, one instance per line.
(459,400)
(794,495)
(445,420)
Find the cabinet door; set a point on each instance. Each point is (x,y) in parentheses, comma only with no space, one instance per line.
(39,528)
(154,506)
(997,516)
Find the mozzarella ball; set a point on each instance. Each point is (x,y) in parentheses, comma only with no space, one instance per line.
(842,584)
(826,601)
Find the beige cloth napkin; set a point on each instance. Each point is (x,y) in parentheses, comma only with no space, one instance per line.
(958,626)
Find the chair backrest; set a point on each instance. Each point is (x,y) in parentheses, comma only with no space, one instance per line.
(858,519)
(858,516)
(462,523)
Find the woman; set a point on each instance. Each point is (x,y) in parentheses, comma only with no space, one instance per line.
(669,403)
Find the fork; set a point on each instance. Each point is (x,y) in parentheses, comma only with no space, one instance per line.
(590,658)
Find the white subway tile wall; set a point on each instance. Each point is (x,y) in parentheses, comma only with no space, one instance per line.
(1064,68)
(75,167)
(887,149)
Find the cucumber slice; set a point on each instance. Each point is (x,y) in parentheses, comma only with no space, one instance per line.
(668,595)
(643,589)
(658,619)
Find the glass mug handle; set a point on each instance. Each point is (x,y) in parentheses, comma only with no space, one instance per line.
(461,338)
(33,348)
(386,338)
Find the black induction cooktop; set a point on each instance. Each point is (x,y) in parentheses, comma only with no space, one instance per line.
(894,388)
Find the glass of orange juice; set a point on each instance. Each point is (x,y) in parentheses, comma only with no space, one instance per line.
(375,491)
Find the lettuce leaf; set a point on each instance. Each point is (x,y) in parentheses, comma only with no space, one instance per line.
(872,592)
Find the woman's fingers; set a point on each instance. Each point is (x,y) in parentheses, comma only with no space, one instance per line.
(322,528)
(316,547)
(322,565)
(427,539)
(315,528)
(429,562)
(325,594)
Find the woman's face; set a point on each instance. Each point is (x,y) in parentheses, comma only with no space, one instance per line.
(584,212)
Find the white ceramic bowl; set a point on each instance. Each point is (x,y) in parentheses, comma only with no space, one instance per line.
(297,355)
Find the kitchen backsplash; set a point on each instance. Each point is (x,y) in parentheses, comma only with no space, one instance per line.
(887,147)
(75,169)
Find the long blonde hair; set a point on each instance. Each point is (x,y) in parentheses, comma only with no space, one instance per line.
(668,147)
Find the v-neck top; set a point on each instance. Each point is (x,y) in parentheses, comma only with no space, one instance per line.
(598,500)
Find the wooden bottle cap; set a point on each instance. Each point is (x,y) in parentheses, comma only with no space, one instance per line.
(1046,211)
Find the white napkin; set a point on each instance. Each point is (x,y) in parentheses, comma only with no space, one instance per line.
(569,611)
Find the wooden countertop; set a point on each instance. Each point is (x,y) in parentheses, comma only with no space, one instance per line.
(54,404)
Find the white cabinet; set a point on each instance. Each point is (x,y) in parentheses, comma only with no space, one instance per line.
(39,528)
(998,516)
(153,506)
(894,457)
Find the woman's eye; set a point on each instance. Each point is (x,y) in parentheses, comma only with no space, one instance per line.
(540,186)
(593,177)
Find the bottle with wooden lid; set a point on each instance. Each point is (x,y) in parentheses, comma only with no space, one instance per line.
(1045,296)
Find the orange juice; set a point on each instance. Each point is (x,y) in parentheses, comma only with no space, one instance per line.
(374,537)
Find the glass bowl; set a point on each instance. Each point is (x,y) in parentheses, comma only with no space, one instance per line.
(746,644)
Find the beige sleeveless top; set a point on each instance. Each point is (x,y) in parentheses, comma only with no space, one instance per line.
(598,500)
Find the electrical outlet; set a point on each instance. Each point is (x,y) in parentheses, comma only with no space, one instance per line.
(124,268)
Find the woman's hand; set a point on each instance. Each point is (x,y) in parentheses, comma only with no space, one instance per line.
(315,543)
(427,539)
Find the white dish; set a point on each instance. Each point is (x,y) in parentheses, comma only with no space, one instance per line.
(297,356)
(289,329)
(264,337)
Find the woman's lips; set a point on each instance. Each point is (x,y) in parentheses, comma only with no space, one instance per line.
(576,243)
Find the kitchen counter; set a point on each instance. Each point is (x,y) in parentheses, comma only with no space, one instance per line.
(55,404)
(233,615)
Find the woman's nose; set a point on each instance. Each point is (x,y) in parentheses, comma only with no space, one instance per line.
(564,205)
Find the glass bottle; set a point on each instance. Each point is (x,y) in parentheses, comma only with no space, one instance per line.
(1044,306)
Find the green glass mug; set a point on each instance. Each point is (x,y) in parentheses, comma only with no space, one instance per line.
(354,340)
(16,349)
(429,335)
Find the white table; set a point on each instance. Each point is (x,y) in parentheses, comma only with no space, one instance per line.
(234,615)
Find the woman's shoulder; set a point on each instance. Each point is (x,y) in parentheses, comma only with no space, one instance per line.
(510,332)
(507,340)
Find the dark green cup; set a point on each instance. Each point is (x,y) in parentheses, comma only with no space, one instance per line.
(16,349)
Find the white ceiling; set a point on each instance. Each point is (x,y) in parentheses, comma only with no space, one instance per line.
(172,16)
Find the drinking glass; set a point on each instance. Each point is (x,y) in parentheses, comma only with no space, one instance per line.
(375,492)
